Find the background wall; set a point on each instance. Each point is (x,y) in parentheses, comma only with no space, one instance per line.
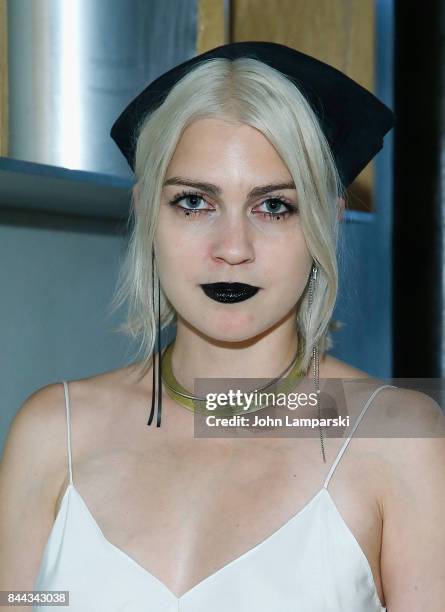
(53,312)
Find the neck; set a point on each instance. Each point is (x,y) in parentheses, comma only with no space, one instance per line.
(265,356)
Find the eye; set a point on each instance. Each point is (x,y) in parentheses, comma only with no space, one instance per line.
(281,209)
(277,204)
(193,199)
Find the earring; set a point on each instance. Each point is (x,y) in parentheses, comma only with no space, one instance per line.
(157,358)
(315,355)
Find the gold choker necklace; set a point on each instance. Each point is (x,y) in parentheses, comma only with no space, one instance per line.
(199,404)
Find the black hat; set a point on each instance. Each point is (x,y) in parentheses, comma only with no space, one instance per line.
(353,120)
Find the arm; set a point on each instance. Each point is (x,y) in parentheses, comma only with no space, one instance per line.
(31,473)
(413,540)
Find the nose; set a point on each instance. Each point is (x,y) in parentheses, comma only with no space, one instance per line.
(233,241)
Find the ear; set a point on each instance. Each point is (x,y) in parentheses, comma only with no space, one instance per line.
(340,208)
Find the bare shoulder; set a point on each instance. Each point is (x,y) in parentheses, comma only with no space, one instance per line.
(34,455)
(400,421)
(99,395)
(38,430)
(35,429)
(36,441)
(404,417)
(331,367)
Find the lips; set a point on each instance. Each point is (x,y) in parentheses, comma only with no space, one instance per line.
(229,292)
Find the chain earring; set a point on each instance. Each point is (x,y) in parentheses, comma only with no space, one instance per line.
(315,355)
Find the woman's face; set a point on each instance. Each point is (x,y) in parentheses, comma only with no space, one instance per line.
(229,213)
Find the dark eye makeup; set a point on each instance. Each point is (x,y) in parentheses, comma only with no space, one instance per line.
(276,201)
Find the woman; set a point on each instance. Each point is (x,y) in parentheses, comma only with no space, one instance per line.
(239,180)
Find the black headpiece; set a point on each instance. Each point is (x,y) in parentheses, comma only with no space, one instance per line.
(353,120)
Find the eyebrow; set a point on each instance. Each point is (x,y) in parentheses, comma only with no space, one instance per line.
(214,190)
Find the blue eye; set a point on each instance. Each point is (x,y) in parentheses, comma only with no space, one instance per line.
(188,212)
(194,198)
(278,203)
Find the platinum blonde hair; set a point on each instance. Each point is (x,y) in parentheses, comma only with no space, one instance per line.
(250,92)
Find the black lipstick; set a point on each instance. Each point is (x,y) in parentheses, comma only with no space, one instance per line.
(229,292)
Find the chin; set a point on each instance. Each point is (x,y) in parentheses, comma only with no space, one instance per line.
(233,328)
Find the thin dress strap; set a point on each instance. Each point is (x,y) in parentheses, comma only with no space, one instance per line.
(68,429)
(345,444)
